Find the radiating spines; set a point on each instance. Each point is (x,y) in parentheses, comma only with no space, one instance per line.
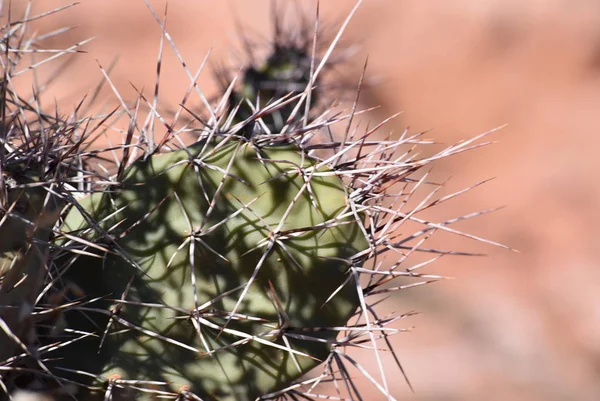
(284,66)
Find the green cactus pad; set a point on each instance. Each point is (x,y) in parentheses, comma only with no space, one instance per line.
(202,222)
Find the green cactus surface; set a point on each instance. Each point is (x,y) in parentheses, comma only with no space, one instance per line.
(225,257)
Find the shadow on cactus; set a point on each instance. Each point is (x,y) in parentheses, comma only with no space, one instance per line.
(218,255)
(223,269)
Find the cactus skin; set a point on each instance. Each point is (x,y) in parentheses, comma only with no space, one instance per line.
(155,225)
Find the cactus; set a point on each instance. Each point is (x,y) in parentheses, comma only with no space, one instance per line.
(217,255)
(222,269)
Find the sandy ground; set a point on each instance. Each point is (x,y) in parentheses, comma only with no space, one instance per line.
(510,326)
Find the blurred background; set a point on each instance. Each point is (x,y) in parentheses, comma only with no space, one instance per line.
(509,326)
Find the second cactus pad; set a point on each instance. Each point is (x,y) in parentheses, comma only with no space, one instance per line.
(217,275)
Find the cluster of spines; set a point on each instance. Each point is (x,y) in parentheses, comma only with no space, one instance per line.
(379,173)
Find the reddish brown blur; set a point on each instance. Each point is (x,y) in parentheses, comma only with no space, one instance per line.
(510,326)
